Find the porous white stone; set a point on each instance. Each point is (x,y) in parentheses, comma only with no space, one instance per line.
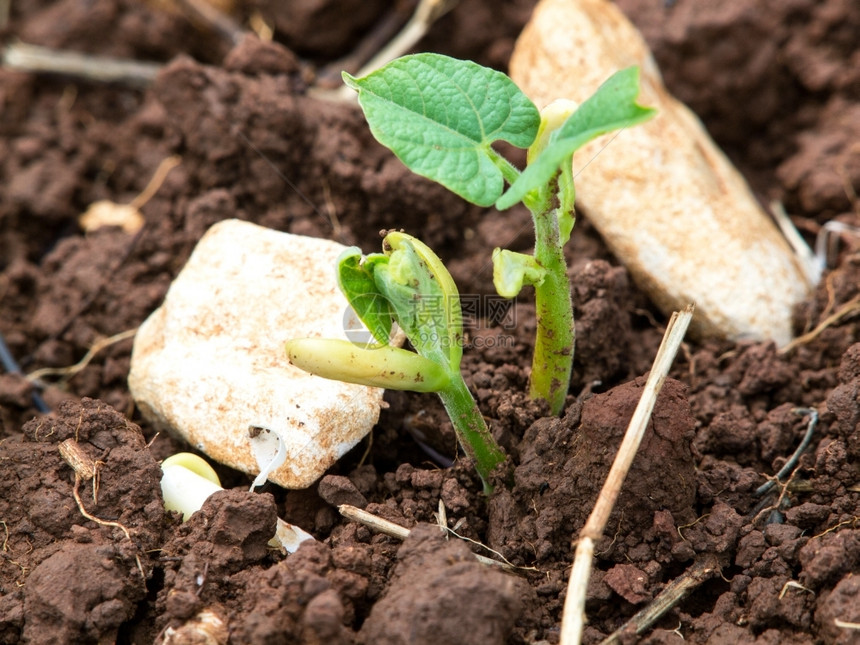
(210,363)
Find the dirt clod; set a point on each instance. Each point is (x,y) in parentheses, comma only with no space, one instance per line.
(441,594)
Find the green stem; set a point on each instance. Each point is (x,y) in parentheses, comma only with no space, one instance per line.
(472,430)
(553,355)
(509,171)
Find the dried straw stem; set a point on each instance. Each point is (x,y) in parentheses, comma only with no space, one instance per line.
(573,616)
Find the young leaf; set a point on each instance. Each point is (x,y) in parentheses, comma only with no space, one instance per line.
(425,301)
(552,117)
(357,284)
(440,115)
(511,270)
(377,365)
(450,337)
(612,107)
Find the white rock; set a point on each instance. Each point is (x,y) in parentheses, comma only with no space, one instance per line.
(210,362)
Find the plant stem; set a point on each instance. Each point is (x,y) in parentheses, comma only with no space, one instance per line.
(553,355)
(472,430)
(509,170)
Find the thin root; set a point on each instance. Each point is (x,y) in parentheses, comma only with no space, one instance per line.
(366,452)
(68,372)
(783,491)
(401,533)
(847,309)
(505,561)
(154,184)
(693,523)
(86,469)
(853,521)
(791,584)
(76,491)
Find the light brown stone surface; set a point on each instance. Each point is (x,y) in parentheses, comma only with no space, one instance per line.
(667,201)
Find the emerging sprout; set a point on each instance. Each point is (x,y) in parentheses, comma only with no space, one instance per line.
(187,481)
(409,285)
(440,116)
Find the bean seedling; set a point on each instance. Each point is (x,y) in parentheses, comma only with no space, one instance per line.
(409,285)
(187,481)
(441,116)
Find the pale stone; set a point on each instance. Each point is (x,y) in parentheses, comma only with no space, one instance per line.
(210,363)
(666,200)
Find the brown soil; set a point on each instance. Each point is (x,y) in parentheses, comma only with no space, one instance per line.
(777,83)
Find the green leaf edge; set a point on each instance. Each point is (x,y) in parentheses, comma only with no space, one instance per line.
(493,177)
(357,284)
(454,316)
(572,135)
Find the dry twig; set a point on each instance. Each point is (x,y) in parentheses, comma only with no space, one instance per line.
(573,616)
(99,69)
(401,533)
(701,571)
(426,13)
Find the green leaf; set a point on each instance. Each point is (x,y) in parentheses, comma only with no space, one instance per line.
(423,297)
(512,270)
(441,281)
(376,365)
(440,115)
(612,107)
(357,284)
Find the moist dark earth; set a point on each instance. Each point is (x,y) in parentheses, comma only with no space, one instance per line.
(777,84)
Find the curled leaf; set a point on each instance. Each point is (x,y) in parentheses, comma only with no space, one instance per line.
(357,284)
(424,297)
(512,270)
(552,117)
